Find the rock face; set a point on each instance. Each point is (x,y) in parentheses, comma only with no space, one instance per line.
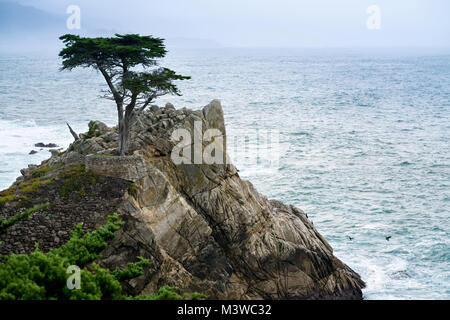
(202,226)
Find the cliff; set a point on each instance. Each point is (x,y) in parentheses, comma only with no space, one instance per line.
(203,228)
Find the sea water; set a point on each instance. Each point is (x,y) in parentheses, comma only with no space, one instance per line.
(363,142)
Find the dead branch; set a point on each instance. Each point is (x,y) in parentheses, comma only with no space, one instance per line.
(73,133)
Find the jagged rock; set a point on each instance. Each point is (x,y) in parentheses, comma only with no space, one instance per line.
(54,152)
(170,106)
(88,146)
(202,226)
(210,231)
(131,168)
(27,171)
(72,157)
(33,152)
(98,126)
(43,145)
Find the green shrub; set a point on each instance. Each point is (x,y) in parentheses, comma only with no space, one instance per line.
(198,296)
(169,293)
(43,276)
(132,189)
(40,276)
(84,248)
(92,132)
(164,293)
(132,270)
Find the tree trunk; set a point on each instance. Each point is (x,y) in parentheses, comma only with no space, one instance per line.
(124,136)
(124,127)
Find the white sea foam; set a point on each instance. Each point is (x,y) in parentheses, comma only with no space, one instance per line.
(18,139)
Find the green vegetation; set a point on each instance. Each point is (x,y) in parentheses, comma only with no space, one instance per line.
(165,293)
(132,270)
(31,184)
(83,248)
(92,132)
(132,189)
(5,224)
(11,194)
(76,179)
(40,276)
(170,293)
(6,199)
(197,296)
(42,171)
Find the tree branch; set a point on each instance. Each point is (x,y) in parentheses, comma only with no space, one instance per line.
(146,103)
(111,86)
(117,98)
(130,107)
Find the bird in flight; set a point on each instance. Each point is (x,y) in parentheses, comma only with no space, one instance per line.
(388,237)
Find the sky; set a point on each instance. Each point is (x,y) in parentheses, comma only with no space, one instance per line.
(270,23)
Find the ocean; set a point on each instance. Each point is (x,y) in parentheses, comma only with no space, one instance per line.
(363,142)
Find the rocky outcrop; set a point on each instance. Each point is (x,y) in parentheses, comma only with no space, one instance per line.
(202,226)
